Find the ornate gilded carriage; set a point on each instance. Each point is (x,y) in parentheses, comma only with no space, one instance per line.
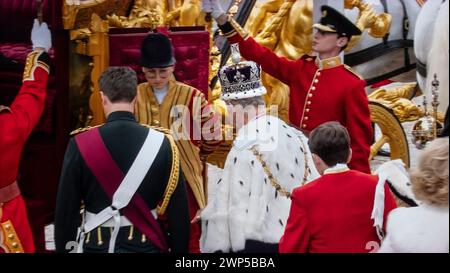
(83,46)
(90,35)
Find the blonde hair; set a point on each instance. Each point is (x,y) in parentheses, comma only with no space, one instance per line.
(430,178)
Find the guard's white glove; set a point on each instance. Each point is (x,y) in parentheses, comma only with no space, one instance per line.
(41,36)
(216,8)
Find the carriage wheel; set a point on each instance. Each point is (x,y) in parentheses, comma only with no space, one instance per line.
(392,133)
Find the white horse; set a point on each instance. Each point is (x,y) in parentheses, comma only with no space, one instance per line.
(432,48)
(404,18)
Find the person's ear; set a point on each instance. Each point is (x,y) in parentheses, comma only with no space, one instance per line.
(350,154)
(342,41)
(105,99)
(102,95)
(317,160)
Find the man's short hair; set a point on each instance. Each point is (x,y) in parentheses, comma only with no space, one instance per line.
(331,142)
(119,84)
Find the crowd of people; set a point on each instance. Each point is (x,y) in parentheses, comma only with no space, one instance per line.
(303,186)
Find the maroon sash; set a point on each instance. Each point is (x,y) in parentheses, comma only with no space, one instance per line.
(108,174)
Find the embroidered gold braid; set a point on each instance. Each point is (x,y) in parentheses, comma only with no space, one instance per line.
(174,175)
(81,130)
(32,63)
(174,172)
(11,239)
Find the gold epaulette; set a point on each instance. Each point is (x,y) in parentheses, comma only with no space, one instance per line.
(353,72)
(4,108)
(81,130)
(174,172)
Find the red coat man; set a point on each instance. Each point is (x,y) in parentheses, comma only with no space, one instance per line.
(321,88)
(16,124)
(333,214)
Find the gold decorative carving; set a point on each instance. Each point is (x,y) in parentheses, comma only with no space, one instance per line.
(377,24)
(392,132)
(397,98)
(187,13)
(145,13)
(77,14)
(93,42)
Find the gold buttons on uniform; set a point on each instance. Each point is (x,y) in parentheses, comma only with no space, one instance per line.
(316,81)
(310,95)
(304,125)
(15,245)
(8,227)
(319,73)
(313,88)
(309,102)
(307,110)
(156,122)
(306,118)
(11,236)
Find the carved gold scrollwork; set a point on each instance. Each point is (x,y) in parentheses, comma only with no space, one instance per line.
(145,13)
(378,25)
(392,133)
(71,9)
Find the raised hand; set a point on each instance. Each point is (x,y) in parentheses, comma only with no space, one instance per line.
(41,36)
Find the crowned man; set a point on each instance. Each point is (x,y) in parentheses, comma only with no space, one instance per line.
(250,201)
(322,88)
(164,102)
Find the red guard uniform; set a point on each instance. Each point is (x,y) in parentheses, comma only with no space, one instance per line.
(320,91)
(16,124)
(333,215)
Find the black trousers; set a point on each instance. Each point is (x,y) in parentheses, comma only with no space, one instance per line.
(252,246)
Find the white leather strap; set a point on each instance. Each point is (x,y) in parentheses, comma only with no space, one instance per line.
(122,197)
(124,222)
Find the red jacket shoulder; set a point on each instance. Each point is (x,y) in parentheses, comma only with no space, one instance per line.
(304,192)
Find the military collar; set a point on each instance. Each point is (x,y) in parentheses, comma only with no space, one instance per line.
(121,115)
(328,63)
(339,168)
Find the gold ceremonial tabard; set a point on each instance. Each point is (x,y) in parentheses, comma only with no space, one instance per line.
(149,111)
